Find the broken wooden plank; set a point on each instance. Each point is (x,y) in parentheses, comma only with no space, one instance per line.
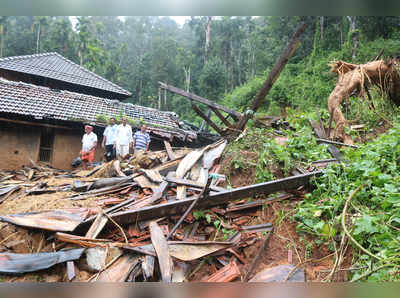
(5,192)
(114,208)
(107,182)
(185,165)
(148,267)
(335,143)
(207,119)
(171,165)
(153,175)
(179,207)
(256,260)
(258,203)
(325,160)
(144,182)
(158,193)
(204,193)
(221,117)
(161,247)
(82,241)
(191,183)
(272,77)
(97,226)
(102,191)
(258,228)
(120,270)
(186,250)
(199,99)
(225,274)
(211,155)
(170,152)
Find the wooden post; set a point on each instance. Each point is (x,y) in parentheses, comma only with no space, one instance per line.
(272,77)
(165,100)
(204,192)
(208,120)
(170,153)
(159,99)
(200,99)
(220,116)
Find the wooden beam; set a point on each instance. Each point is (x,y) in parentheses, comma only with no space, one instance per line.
(208,120)
(191,183)
(221,117)
(199,99)
(272,77)
(335,143)
(170,153)
(335,152)
(379,55)
(179,207)
(36,124)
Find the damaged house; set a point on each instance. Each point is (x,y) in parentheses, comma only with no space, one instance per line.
(45,100)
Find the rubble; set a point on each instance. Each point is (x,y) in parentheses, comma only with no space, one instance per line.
(134,219)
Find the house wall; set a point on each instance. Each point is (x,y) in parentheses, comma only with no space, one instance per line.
(18,144)
(67,145)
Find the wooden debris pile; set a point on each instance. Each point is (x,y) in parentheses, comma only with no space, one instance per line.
(160,216)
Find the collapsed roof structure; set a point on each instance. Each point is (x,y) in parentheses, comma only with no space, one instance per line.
(45,99)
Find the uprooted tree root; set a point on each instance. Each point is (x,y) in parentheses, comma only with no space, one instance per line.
(351,77)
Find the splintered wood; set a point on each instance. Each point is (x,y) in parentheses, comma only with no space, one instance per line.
(153,217)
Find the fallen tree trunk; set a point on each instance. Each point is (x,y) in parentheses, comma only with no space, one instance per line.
(272,77)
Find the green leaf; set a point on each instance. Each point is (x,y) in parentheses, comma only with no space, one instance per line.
(198,214)
(208,218)
(366,224)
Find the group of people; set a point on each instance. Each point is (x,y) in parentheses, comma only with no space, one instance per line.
(117,140)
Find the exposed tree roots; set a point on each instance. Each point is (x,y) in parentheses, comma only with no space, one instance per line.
(353,77)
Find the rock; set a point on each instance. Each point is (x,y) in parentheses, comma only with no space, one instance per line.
(96,257)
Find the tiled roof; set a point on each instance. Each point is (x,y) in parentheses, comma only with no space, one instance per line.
(42,102)
(55,66)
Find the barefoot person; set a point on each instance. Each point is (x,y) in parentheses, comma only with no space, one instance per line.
(141,140)
(123,139)
(89,143)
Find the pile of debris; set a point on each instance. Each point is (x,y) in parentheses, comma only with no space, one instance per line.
(158,216)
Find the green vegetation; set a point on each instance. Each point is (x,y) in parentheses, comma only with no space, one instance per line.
(137,52)
(270,157)
(373,214)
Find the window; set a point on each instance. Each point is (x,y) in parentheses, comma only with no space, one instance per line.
(46,144)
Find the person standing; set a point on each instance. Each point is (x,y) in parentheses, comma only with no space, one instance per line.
(141,139)
(123,139)
(109,137)
(89,143)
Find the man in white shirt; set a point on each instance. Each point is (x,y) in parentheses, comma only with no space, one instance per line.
(124,139)
(109,137)
(89,143)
